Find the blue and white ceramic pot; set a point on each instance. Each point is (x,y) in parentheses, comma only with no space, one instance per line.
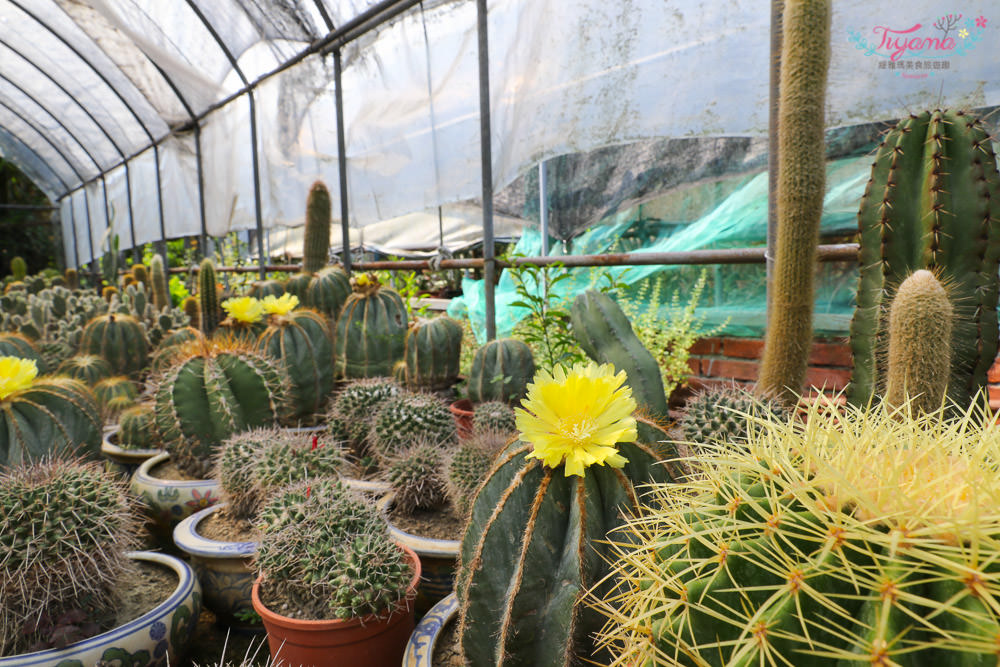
(169,501)
(158,637)
(423,641)
(224,570)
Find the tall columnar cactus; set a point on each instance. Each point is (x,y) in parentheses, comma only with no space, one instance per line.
(137,428)
(65,529)
(72,279)
(433,348)
(18,268)
(328,291)
(301,341)
(141,275)
(158,279)
(208,299)
(120,339)
(535,538)
(212,392)
(15,345)
(316,240)
(357,404)
(805,58)
(864,537)
(932,203)
(407,418)
(501,371)
(192,308)
(920,323)
(371,330)
(43,417)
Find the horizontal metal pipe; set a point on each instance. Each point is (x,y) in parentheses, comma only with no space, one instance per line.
(839,252)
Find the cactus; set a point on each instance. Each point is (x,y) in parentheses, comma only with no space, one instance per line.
(235,470)
(264,288)
(931,203)
(43,417)
(920,322)
(87,368)
(292,458)
(416,477)
(127,280)
(141,274)
(495,416)
(115,394)
(328,291)
(15,345)
(316,240)
(501,371)
(211,392)
(407,418)
(55,352)
(330,550)
(120,339)
(801,184)
(192,309)
(65,529)
(108,292)
(302,342)
(244,320)
(16,286)
(18,268)
(158,283)
(606,336)
(864,537)
(432,353)
(208,300)
(34,284)
(726,414)
(298,285)
(137,428)
(467,465)
(357,403)
(371,331)
(72,279)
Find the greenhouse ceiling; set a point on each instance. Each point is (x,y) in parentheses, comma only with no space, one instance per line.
(169,118)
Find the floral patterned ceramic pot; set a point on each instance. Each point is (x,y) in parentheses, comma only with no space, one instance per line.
(144,642)
(168,501)
(423,641)
(224,570)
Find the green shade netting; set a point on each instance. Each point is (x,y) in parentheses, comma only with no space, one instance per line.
(732,214)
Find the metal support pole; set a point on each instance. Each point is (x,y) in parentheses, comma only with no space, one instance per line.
(486,158)
(107,211)
(159,206)
(261,258)
(777,8)
(90,233)
(342,162)
(136,251)
(543,207)
(76,243)
(203,240)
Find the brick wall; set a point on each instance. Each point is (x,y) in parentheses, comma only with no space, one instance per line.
(716,361)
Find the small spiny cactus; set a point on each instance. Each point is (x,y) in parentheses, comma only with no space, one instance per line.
(467,465)
(357,403)
(493,416)
(725,414)
(416,477)
(406,418)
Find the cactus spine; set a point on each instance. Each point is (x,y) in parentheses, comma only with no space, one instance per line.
(158,278)
(805,57)
(920,321)
(371,331)
(301,341)
(501,371)
(316,241)
(208,299)
(932,202)
(433,348)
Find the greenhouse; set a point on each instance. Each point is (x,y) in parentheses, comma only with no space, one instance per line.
(499,332)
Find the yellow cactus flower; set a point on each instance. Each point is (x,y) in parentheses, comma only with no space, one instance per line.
(363,279)
(244,309)
(577,417)
(16,374)
(282,305)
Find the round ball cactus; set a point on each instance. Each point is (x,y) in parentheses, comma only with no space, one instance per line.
(467,465)
(493,416)
(433,348)
(65,527)
(726,414)
(120,339)
(115,394)
(15,345)
(264,288)
(358,402)
(297,457)
(301,341)
(236,470)
(416,477)
(371,330)
(501,371)
(137,428)
(327,291)
(87,368)
(404,419)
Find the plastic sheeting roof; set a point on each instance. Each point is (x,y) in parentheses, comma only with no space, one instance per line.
(88,87)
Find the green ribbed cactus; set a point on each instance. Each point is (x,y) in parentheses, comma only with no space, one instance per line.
(801,185)
(264,288)
(192,308)
(327,291)
(208,299)
(330,550)
(43,417)
(137,428)
(931,203)
(18,268)
(120,339)
(357,403)
(920,323)
(432,352)
(302,342)
(494,416)
(501,371)
(726,414)
(171,344)
(416,477)
(316,239)
(141,275)
(406,418)
(54,352)
(535,538)
(371,330)
(298,285)
(467,465)
(115,394)
(65,529)
(864,537)
(214,392)
(16,345)
(158,283)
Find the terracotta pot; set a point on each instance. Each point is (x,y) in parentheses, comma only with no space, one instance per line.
(372,641)
(162,631)
(423,641)
(123,461)
(461,410)
(168,501)
(438,561)
(224,570)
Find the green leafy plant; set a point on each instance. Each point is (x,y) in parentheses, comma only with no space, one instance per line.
(546,328)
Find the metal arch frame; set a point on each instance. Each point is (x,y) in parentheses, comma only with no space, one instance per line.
(159,184)
(254,150)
